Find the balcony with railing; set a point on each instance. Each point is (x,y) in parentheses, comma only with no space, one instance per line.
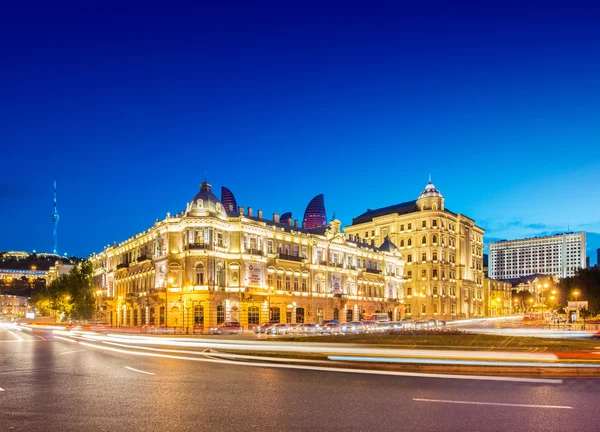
(290,257)
(197,246)
(144,257)
(122,265)
(374,271)
(257,252)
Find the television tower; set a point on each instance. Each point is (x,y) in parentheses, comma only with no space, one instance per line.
(55,219)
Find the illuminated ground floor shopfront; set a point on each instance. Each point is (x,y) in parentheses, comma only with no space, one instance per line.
(198,310)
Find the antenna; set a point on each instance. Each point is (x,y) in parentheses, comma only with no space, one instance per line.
(55,219)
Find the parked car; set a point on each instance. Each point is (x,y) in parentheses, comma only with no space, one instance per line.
(370,325)
(310,328)
(263,327)
(382,326)
(432,322)
(277,329)
(354,327)
(231,327)
(395,326)
(330,328)
(421,324)
(294,327)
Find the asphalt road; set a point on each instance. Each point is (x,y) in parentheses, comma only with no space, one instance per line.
(50,384)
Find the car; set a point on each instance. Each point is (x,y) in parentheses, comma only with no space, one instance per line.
(263,327)
(382,326)
(230,327)
(396,326)
(432,323)
(311,328)
(421,324)
(277,329)
(330,328)
(370,325)
(294,328)
(354,327)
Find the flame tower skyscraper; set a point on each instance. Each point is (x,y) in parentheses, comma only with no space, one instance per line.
(55,219)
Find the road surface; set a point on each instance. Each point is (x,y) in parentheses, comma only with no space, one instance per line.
(51,384)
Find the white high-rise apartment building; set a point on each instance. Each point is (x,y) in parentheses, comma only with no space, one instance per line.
(560,254)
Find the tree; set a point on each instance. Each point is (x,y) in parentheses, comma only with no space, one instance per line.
(587,283)
(70,296)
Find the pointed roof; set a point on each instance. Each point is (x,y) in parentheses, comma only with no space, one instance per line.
(387,245)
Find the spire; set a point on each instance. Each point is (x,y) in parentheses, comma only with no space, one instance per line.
(55,219)
(205,186)
(429,177)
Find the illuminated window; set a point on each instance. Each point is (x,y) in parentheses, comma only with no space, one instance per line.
(300,315)
(288,283)
(274,314)
(408,309)
(424,224)
(279,281)
(424,240)
(199,315)
(409,242)
(253,315)
(220,314)
(200,274)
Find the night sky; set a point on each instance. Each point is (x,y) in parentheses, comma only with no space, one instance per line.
(128,106)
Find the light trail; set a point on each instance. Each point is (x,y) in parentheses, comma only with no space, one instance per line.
(320,348)
(217,354)
(432,361)
(492,403)
(331,369)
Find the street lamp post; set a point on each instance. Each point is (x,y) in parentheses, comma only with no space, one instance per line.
(170,281)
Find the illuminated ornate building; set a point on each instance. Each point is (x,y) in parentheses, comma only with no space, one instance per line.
(210,264)
(499,295)
(443,252)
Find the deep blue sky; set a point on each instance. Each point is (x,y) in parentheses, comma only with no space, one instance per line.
(128,106)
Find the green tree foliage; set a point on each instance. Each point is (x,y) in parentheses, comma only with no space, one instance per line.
(70,296)
(587,283)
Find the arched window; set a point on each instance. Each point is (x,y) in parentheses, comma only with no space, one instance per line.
(336,314)
(443,240)
(200,274)
(402,243)
(424,240)
(409,242)
(348,315)
(174,315)
(220,314)
(300,315)
(434,239)
(253,315)
(199,316)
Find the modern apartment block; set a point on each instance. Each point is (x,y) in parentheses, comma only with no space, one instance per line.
(558,255)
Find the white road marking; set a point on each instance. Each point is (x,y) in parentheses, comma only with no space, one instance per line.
(493,403)
(1,389)
(42,338)
(140,371)
(338,370)
(70,352)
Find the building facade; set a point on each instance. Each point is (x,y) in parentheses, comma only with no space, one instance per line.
(13,307)
(443,276)
(208,265)
(499,295)
(561,255)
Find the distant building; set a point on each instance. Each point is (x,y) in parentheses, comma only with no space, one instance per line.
(587,262)
(13,307)
(58,269)
(499,295)
(598,257)
(561,255)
